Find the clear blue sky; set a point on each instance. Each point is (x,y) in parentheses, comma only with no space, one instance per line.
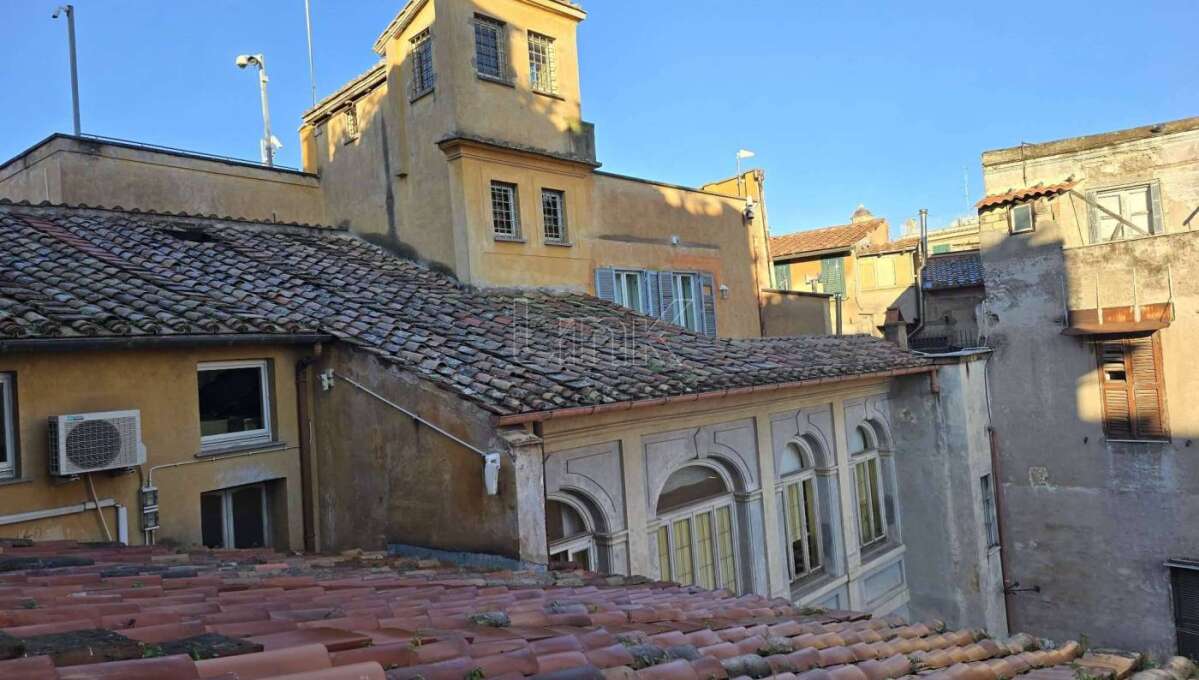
(882,103)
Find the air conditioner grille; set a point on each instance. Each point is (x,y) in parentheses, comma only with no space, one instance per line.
(97,443)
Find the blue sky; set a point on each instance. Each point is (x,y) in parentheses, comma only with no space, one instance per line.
(882,103)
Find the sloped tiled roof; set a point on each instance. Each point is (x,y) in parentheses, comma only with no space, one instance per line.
(152,613)
(825,238)
(953,270)
(1024,194)
(70,273)
(896,246)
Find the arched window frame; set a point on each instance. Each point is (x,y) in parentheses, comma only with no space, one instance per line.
(869,492)
(579,544)
(801,514)
(679,534)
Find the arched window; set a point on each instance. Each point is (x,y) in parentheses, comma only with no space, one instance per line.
(800,511)
(868,489)
(570,539)
(696,538)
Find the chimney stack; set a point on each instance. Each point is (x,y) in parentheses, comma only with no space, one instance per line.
(895,328)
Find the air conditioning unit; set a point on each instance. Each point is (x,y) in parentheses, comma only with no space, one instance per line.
(90,442)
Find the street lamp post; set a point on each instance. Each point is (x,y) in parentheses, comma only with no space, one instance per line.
(268,142)
(69,10)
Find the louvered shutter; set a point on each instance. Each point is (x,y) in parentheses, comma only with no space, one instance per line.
(666,310)
(1186,610)
(1113,381)
(1148,398)
(1155,198)
(707,288)
(605,284)
(649,292)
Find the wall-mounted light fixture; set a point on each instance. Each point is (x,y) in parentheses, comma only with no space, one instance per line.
(724,292)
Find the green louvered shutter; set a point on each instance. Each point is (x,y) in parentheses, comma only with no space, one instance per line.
(832,275)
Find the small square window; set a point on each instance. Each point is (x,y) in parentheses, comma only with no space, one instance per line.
(489,48)
(1022,218)
(8,422)
(234,399)
(553,215)
(543,63)
(505,211)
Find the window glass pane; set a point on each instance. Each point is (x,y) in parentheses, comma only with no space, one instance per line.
(487,47)
(876,499)
(562,521)
(685,309)
(705,568)
(543,66)
(553,215)
(688,485)
(795,529)
(422,63)
(810,521)
(792,460)
(5,461)
(629,290)
(663,554)
(857,440)
(231,401)
(1022,218)
(504,218)
(212,520)
(682,551)
(724,544)
(249,524)
(863,492)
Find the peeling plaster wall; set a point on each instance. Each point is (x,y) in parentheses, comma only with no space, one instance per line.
(1091,521)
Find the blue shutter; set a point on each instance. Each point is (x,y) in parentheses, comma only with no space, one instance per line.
(605,284)
(1155,201)
(666,296)
(707,289)
(649,292)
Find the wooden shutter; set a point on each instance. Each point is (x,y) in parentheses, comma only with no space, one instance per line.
(1130,379)
(1185,583)
(832,275)
(867,273)
(707,289)
(1155,210)
(605,284)
(666,309)
(649,293)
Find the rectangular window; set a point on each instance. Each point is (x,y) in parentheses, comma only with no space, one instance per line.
(664,572)
(990,522)
(553,215)
(724,545)
(871,527)
(351,122)
(628,291)
(802,527)
(543,63)
(1022,218)
(235,518)
(235,405)
(490,60)
(423,76)
(1132,390)
(782,276)
(505,211)
(686,312)
(705,566)
(8,424)
(1123,213)
(681,566)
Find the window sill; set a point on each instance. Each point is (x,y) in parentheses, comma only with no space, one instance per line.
(560,244)
(879,547)
(250,447)
(506,82)
(1136,441)
(810,583)
(551,95)
(509,239)
(12,481)
(420,95)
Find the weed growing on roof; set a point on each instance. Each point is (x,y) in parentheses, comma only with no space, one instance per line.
(475,673)
(1084,642)
(812,611)
(152,651)
(1081,673)
(416,641)
(29,604)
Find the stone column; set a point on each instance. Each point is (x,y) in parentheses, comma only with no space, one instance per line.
(751,517)
(526,458)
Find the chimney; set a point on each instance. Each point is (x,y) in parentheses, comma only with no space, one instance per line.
(895,328)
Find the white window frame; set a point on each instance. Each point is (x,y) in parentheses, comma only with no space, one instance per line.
(500,29)
(878,526)
(1121,192)
(796,480)
(549,52)
(263,435)
(514,204)
(1032,218)
(559,196)
(619,292)
(8,466)
(986,485)
(227,534)
(419,43)
(680,307)
(574,545)
(690,513)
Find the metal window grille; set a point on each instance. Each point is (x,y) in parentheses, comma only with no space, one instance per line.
(989,519)
(543,63)
(351,122)
(423,76)
(505,219)
(553,214)
(489,47)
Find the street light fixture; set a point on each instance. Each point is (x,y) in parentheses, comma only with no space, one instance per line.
(69,10)
(268,143)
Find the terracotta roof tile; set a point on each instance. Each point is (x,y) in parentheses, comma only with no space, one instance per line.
(1024,194)
(905,244)
(684,633)
(842,236)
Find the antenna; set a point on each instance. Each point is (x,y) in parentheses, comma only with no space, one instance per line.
(311,65)
(966,186)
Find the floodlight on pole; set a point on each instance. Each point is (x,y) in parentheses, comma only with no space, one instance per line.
(69,10)
(268,143)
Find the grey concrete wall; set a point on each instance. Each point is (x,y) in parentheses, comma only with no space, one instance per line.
(944,449)
(386,479)
(1091,521)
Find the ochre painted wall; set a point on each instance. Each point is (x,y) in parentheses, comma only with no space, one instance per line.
(162,384)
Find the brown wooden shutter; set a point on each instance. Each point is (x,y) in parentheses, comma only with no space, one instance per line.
(1130,378)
